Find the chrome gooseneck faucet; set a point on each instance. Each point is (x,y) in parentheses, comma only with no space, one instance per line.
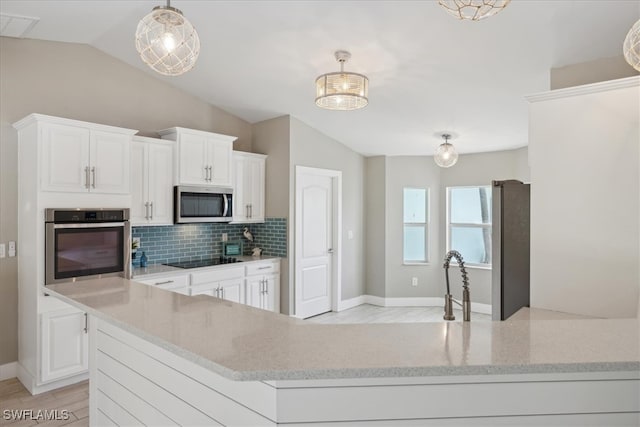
(448,299)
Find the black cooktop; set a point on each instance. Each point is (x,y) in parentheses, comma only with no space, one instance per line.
(204,262)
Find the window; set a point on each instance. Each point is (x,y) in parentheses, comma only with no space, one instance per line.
(416,219)
(469,223)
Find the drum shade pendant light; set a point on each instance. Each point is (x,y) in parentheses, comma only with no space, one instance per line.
(446,154)
(167,42)
(473,10)
(631,46)
(342,90)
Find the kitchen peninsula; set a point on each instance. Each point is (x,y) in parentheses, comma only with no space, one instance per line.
(159,357)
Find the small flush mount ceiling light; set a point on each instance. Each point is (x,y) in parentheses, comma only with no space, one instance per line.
(446,155)
(631,46)
(342,90)
(473,10)
(167,42)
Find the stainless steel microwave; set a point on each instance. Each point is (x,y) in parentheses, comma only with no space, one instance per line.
(202,204)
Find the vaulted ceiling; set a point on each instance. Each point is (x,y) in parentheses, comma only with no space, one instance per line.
(428,71)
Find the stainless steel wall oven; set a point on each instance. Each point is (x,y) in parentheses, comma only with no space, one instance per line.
(86,244)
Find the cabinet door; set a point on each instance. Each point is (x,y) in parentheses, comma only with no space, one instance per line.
(233,290)
(64,342)
(269,296)
(138,182)
(160,183)
(220,153)
(254,188)
(193,159)
(210,289)
(65,158)
(109,159)
(240,207)
(254,291)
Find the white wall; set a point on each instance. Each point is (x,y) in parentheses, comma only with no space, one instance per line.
(375,229)
(584,159)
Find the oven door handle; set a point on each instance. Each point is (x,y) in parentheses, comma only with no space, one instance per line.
(90,225)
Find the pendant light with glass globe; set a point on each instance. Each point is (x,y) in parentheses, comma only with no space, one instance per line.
(446,154)
(167,42)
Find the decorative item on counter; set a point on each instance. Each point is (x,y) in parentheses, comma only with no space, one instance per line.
(256,252)
(232,248)
(143,260)
(247,234)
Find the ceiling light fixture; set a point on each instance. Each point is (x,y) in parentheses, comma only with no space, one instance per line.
(631,46)
(446,155)
(167,42)
(473,10)
(342,90)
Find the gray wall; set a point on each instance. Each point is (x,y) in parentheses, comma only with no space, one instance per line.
(271,137)
(402,171)
(481,169)
(599,70)
(80,82)
(375,225)
(312,148)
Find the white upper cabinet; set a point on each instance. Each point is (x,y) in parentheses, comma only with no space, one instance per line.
(248,187)
(151,181)
(82,157)
(202,158)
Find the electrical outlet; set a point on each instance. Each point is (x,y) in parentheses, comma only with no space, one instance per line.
(2,250)
(414,281)
(12,249)
(225,237)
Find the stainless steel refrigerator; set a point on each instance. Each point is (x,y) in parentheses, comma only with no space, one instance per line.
(510,248)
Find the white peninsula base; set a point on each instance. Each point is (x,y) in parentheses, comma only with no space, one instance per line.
(134,381)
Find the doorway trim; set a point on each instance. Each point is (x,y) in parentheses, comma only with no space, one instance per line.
(336,271)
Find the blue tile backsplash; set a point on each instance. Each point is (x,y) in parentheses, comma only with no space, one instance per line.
(192,242)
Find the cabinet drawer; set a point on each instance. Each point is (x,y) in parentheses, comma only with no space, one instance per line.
(216,275)
(263,268)
(167,282)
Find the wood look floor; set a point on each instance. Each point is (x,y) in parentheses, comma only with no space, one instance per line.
(75,398)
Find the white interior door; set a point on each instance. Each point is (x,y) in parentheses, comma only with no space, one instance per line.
(316,241)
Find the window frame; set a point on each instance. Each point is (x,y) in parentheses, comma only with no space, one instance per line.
(485,226)
(426,224)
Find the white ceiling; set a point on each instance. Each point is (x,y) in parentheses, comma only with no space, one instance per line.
(428,72)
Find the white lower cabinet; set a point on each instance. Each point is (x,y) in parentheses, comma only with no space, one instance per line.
(179,284)
(221,283)
(263,281)
(64,344)
(255,283)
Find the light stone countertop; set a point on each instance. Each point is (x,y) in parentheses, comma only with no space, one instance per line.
(245,343)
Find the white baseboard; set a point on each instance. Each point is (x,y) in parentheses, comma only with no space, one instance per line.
(476,307)
(8,370)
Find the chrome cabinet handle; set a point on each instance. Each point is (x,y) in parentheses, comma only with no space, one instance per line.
(206,173)
(87,179)
(146,210)
(330,250)
(93,175)
(86,324)
(264,268)
(151,206)
(246,211)
(163,283)
(250,211)
(210,173)
(222,292)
